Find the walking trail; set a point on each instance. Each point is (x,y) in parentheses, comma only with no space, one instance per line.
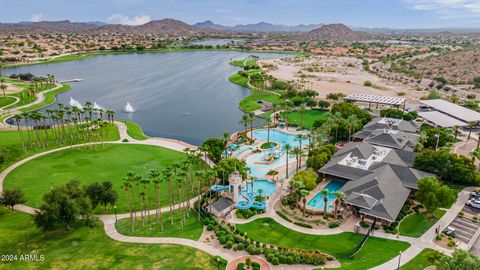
(416,244)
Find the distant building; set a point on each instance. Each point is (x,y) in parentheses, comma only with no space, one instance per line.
(446,114)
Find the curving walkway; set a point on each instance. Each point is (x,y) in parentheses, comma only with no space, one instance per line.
(11,104)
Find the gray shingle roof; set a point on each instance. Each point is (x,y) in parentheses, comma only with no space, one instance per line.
(222,204)
(401,125)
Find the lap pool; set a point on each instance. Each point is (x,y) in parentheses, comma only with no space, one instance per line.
(278,136)
(318,202)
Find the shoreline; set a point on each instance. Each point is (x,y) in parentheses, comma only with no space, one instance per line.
(71,57)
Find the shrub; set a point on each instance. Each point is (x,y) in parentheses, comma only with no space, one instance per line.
(251,250)
(209,227)
(367,83)
(451,243)
(281,214)
(275,261)
(475,218)
(240,266)
(303,225)
(240,246)
(461,214)
(255,266)
(222,240)
(364,224)
(125,140)
(332,225)
(219,260)
(229,244)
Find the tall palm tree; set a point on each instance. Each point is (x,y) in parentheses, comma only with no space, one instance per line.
(471,125)
(353,123)
(325,192)
(337,118)
(145,182)
(296,151)
(300,138)
(287,149)
(296,188)
(268,122)
(244,122)
(18,118)
(251,117)
(339,196)
(302,113)
(3,86)
(126,186)
(167,176)
(155,177)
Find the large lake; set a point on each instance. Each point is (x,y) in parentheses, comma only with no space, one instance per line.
(179,95)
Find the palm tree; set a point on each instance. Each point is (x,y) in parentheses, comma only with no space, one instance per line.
(325,192)
(126,186)
(296,151)
(302,113)
(337,118)
(296,188)
(353,123)
(18,118)
(268,122)
(244,122)
(471,125)
(154,176)
(303,194)
(300,138)
(287,148)
(167,174)
(251,117)
(3,86)
(455,131)
(339,196)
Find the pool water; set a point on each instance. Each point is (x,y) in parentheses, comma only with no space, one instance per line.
(261,170)
(278,136)
(267,187)
(318,202)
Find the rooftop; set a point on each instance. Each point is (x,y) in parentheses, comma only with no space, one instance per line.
(441,119)
(376,99)
(452,109)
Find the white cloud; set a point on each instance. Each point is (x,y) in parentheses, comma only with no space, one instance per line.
(122,19)
(37,17)
(449,9)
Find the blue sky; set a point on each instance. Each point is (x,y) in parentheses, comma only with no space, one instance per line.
(367,13)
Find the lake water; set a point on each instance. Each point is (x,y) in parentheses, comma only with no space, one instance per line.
(179,95)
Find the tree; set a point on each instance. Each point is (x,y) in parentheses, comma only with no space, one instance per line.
(268,123)
(12,197)
(307,177)
(215,146)
(154,176)
(101,193)
(325,192)
(460,260)
(346,109)
(225,167)
(323,104)
(339,196)
(63,205)
(433,195)
(287,149)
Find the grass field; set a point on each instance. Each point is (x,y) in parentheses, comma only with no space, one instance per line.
(309,117)
(4,101)
(422,260)
(134,130)
(192,227)
(10,142)
(249,103)
(375,251)
(417,224)
(85,248)
(37,176)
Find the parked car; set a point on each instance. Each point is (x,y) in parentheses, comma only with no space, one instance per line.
(475,195)
(474,203)
(449,231)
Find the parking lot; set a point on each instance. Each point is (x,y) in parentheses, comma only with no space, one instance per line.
(464,228)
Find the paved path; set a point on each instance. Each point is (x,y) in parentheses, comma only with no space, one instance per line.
(11,104)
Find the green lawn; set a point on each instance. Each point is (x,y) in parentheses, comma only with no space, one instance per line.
(4,101)
(422,260)
(242,63)
(192,227)
(417,224)
(85,248)
(309,117)
(249,103)
(375,251)
(10,141)
(134,130)
(37,176)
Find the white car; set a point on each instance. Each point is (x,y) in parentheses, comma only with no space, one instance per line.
(474,203)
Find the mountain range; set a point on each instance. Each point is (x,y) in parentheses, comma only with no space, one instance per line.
(258,27)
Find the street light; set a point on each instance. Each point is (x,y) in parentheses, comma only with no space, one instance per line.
(115,208)
(218,263)
(399,258)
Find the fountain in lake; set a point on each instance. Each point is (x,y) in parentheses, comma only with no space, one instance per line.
(75,103)
(129,108)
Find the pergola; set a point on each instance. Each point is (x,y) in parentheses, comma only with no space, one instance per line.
(374,99)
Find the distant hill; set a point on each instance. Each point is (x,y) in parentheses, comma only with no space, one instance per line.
(46,26)
(258,27)
(333,32)
(211,25)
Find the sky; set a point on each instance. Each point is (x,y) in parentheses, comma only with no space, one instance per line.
(359,13)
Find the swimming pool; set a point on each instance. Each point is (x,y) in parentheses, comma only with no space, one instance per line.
(267,187)
(318,202)
(260,170)
(278,136)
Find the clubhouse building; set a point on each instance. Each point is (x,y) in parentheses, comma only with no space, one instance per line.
(378,168)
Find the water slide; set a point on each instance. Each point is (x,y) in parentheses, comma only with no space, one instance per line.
(217,188)
(250,202)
